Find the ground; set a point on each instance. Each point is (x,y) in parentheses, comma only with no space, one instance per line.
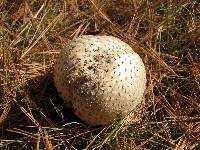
(166,34)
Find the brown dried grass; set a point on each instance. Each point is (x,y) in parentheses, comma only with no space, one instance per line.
(165,33)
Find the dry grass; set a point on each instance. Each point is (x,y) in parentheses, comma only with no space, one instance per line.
(165,33)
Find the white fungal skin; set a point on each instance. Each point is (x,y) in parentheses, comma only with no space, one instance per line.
(101,76)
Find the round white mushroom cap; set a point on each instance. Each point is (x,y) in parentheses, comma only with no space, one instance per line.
(101,76)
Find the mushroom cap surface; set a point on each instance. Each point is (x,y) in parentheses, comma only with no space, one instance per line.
(101,76)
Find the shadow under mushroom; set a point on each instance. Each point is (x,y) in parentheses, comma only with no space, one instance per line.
(44,94)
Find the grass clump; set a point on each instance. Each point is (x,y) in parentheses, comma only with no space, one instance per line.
(164,33)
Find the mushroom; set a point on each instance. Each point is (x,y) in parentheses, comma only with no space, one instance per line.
(101,76)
